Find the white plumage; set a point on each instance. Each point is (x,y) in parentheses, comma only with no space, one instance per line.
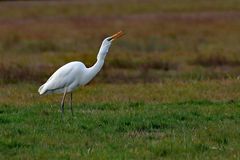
(66,77)
(75,74)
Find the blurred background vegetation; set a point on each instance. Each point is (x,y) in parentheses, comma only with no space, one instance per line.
(164,39)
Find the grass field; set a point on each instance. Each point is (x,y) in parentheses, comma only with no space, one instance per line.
(133,130)
(168,89)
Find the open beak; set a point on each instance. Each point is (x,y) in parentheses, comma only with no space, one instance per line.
(117,35)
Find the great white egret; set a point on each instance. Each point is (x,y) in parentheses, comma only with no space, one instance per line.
(75,74)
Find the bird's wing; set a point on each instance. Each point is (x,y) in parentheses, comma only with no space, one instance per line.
(60,79)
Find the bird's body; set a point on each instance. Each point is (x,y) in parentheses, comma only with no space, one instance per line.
(74,74)
(69,77)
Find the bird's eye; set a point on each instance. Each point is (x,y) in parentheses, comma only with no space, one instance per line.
(109,39)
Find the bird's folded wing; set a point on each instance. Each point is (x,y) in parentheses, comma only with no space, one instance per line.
(59,80)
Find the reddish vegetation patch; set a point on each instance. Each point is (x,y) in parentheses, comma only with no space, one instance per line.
(18,73)
(215,60)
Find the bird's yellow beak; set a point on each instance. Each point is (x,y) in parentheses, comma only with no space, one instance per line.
(117,35)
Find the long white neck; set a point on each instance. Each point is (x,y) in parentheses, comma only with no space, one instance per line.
(92,71)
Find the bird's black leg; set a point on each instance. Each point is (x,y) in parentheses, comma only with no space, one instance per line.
(71,103)
(62,103)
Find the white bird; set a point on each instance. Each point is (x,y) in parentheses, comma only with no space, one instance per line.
(75,74)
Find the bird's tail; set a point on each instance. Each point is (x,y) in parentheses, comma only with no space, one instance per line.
(41,90)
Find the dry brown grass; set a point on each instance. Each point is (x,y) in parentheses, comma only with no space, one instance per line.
(23,94)
(162,41)
(216,60)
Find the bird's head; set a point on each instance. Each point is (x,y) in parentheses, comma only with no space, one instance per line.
(107,43)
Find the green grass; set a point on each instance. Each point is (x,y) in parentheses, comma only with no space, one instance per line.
(133,130)
(172,120)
